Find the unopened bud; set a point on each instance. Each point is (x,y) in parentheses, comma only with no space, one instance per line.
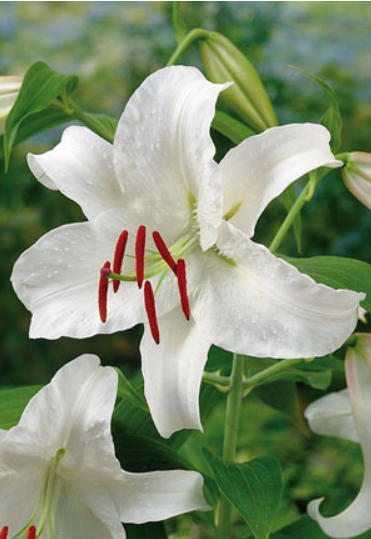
(357,176)
(9,89)
(247,96)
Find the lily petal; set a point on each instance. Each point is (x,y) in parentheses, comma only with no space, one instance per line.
(76,520)
(258,304)
(173,371)
(81,167)
(262,166)
(57,279)
(155,496)
(163,150)
(332,415)
(356,518)
(47,422)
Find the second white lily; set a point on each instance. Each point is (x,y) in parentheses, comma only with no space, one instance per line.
(211,283)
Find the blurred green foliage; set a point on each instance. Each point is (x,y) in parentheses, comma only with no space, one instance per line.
(113,46)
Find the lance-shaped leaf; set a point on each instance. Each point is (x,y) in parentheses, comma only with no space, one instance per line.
(41,85)
(254,488)
(12,404)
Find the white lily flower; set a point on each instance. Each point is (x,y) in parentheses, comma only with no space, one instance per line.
(160,175)
(59,472)
(346,414)
(357,176)
(9,88)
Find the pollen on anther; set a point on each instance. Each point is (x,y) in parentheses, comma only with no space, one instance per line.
(164,251)
(4,532)
(182,284)
(140,245)
(149,302)
(103,291)
(119,257)
(31,532)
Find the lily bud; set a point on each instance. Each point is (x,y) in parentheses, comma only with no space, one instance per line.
(9,89)
(247,96)
(357,176)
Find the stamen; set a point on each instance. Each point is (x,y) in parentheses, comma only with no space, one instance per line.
(103,291)
(139,254)
(164,251)
(182,284)
(149,302)
(119,257)
(31,533)
(4,532)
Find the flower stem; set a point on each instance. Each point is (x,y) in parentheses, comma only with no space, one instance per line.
(295,209)
(192,36)
(269,372)
(230,435)
(213,378)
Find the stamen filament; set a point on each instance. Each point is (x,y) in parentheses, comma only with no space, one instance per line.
(4,532)
(182,284)
(164,251)
(139,254)
(119,257)
(103,291)
(149,302)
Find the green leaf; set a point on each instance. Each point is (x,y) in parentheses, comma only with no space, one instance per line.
(150,530)
(12,404)
(41,85)
(128,392)
(231,128)
(219,360)
(37,123)
(179,25)
(332,118)
(289,198)
(338,272)
(254,488)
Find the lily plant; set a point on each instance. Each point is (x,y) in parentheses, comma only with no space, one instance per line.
(59,476)
(168,243)
(9,89)
(346,414)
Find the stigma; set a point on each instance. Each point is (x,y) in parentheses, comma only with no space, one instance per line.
(147,266)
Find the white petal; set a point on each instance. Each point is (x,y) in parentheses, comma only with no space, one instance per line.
(156,496)
(57,279)
(76,520)
(332,415)
(72,412)
(81,167)
(173,371)
(358,186)
(356,518)
(163,150)
(264,307)
(262,166)
(19,495)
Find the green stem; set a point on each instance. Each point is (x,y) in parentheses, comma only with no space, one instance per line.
(261,376)
(212,378)
(192,36)
(89,121)
(230,435)
(296,207)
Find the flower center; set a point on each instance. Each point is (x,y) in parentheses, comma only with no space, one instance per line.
(149,263)
(45,506)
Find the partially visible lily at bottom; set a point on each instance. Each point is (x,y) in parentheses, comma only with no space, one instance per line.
(346,414)
(59,476)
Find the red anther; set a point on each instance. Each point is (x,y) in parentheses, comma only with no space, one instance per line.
(31,532)
(119,257)
(139,254)
(149,302)
(164,251)
(4,532)
(103,291)
(182,283)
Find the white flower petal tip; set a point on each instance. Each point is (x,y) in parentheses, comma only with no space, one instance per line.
(9,89)
(332,415)
(59,465)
